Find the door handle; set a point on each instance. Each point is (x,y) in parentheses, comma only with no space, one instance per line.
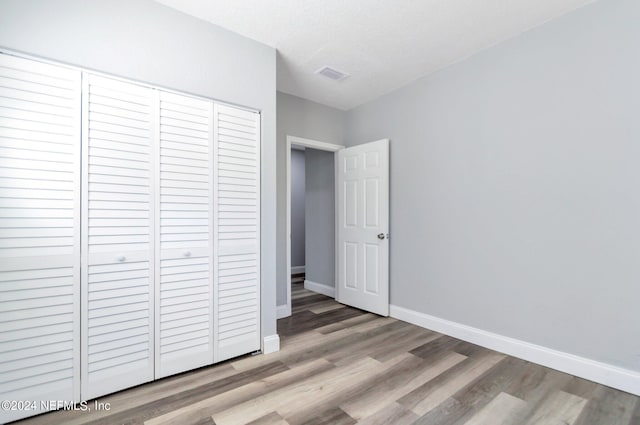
(380,236)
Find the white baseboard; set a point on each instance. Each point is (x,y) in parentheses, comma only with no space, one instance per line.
(329,291)
(603,373)
(297,269)
(271,344)
(283,311)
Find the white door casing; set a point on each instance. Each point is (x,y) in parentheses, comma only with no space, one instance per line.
(363,226)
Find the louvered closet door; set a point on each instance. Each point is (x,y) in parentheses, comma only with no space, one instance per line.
(236,231)
(39,228)
(185,298)
(117,285)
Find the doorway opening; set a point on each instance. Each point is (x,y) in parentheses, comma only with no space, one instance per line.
(318,152)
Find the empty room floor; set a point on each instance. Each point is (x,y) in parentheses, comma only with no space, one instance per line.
(340,365)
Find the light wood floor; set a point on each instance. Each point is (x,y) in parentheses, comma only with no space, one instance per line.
(339,365)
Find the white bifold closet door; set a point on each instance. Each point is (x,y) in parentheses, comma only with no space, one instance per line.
(236,231)
(184,303)
(39,228)
(118,228)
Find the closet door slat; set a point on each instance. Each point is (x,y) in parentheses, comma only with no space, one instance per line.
(39,228)
(184,337)
(118,237)
(236,231)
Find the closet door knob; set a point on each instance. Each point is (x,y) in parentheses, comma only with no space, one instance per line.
(121,258)
(187,253)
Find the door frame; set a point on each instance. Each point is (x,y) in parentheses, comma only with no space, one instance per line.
(285,310)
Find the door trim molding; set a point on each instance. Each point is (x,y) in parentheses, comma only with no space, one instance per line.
(320,288)
(603,373)
(271,344)
(283,311)
(297,269)
(313,144)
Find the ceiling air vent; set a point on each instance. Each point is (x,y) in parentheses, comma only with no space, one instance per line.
(332,73)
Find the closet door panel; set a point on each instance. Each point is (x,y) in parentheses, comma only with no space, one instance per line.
(184,337)
(118,280)
(39,227)
(236,231)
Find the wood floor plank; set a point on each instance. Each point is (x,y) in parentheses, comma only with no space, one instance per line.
(372,324)
(536,386)
(352,346)
(374,343)
(300,396)
(269,419)
(299,415)
(580,387)
(449,412)
(558,408)
(635,418)
(346,323)
(392,413)
(309,345)
(396,386)
(504,409)
(385,352)
(295,297)
(209,406)
(203,421)
(306,320)
(311,299)
(472,398)
(439,345)
(608,406)
(326,306)
(430,395)
(331,416)
(139,396)
(151,409)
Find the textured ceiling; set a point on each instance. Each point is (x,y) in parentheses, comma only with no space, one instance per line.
(383,44)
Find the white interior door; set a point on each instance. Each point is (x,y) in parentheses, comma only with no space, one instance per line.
(363,226)
(184,303)
(236,159)
(117,236)
(39,234)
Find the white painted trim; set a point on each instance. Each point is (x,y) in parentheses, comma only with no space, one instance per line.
(271,344)
(297,269)
(283,311)
(314,144)
(320,288)
(603,373)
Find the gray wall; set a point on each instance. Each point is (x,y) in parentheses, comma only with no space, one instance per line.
(145,41)
(310,120)
(515,179)
(297,207)
(320,221)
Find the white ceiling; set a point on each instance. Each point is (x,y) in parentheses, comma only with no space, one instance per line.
(383,44)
